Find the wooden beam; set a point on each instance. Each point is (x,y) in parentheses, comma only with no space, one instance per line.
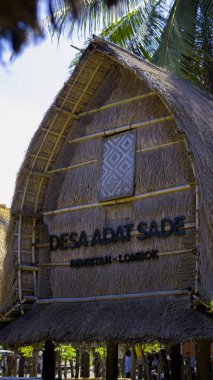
(26,215)
(160,254)
(124,128)
(28,192)
(118,103)
(29,298)
(56,134)
(35,173)
(23,251)
(160,293)
(64,111)
(155,147)
(71,167)
(30,268)
(133,198)
(41,157)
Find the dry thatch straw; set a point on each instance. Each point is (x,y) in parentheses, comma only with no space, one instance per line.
(58,190)
(104,320)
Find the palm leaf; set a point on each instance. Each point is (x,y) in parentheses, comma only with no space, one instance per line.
(135,26)
(93,16)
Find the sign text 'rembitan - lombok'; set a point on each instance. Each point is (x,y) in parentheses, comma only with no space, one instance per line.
(72,240)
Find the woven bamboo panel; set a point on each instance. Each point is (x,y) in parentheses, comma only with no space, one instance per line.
(117,176)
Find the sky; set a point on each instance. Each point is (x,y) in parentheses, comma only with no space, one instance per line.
(28,86)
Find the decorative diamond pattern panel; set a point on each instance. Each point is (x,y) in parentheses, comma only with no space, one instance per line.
(117,175)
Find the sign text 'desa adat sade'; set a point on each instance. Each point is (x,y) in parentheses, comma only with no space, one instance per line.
(73,240)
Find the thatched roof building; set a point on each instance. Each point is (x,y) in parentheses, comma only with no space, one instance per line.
(111,232)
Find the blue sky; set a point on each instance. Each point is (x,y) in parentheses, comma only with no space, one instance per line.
(27,89)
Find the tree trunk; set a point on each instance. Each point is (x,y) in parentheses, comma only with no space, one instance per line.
(112,361)
(203,356)
(48,371)
(175,362)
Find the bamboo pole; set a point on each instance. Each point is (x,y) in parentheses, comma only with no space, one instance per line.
(94,161)
(124,128)
(50,132)
(160,293)
(30,268)
(30,298)
(197,269)
(143,150)
(19,258)
(36,173)
(71,167)
(45,158)
(197,201)
(3,315)
(119,102)
(160,254)
(34,257)
(25,290)
(64,111)
(151,194)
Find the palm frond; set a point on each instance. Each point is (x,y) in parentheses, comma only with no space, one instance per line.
(176,35)
(93,16)
(137,25)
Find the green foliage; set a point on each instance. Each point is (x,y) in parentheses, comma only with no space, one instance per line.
(66,352)
(91,17)
(151,348)
(101,350)
(26,351)
(174,34)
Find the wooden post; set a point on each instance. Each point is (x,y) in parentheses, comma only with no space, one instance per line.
(59,369)
(21,366)
(133,363)
(175,362)
(33,366)
(112,361)
(85,365)
(72,369)
(77,363)
(203,356)
(48,371)
(163,366)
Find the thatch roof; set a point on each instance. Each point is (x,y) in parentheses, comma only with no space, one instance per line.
(123,321)
(37,192)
